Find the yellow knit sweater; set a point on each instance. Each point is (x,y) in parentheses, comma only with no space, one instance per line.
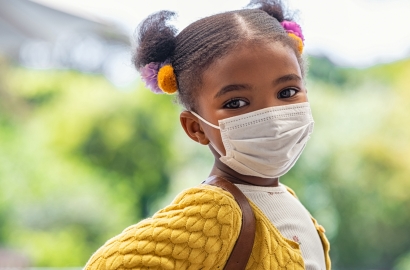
(198,231)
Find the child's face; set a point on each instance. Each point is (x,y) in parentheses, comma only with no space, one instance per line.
(249,78)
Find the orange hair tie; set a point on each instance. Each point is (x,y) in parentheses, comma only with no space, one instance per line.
(298,40)
(167,81)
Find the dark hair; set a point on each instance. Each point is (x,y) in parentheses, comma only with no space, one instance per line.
(197,46)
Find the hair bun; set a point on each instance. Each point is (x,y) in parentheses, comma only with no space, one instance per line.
(272,7)
(156,39)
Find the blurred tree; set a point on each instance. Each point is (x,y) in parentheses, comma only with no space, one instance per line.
(321,68)
(132,144)
(79,161)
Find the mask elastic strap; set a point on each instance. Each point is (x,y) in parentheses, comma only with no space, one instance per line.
(206,122)
(212,125)
(216,149)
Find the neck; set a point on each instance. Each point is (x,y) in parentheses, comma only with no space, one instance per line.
(221,170)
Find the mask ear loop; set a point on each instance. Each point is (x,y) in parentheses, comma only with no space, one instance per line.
(212,125)
(206,122)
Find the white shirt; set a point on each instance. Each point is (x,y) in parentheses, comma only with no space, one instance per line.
(292,220)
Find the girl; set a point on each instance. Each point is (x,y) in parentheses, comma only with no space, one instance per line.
(240,77)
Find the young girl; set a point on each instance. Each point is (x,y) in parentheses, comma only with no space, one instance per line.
(240,77)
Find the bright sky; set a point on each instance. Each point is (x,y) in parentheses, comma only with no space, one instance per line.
(351,32)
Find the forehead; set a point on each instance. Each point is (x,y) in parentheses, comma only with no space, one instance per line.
(253,64)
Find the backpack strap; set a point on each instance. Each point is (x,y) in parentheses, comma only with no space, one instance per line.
(243,247)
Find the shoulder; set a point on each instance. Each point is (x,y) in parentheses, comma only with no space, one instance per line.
(290,191)
(321,231)
(202,197)
(197,230)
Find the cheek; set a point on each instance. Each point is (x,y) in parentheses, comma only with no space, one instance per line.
(214,135)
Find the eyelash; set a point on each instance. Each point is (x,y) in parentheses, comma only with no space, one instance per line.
(234,100)
(288,89)
(226,105)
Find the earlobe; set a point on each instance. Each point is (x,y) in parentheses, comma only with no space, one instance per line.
(192,127)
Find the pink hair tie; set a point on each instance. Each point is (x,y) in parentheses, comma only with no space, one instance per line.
(159,77)
(293,28)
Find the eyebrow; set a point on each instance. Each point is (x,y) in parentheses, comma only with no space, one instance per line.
(287,78)
(232,87)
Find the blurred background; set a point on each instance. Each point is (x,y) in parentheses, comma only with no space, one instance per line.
(86,150)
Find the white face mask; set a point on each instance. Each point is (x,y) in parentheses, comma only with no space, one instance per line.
(266,142)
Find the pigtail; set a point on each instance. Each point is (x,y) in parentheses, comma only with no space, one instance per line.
(274,8)
(155,39)
(155,46)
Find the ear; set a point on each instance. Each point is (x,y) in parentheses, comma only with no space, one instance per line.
(193,128)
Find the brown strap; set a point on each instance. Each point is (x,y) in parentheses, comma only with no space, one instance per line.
(243,247)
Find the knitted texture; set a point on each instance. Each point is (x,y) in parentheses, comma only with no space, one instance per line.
(196,231)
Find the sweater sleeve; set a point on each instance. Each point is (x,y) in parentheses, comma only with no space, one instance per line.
(196,231)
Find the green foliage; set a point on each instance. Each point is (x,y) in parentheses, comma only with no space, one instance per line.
(403,262)
(79,162)
(322,69)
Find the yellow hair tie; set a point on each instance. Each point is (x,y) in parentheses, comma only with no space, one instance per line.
(167,81)
(298,40)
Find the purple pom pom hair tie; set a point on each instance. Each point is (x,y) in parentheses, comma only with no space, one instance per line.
(294,28)
(149,74)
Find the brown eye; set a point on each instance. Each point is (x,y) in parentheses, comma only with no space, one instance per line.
(287,93)
(235,103)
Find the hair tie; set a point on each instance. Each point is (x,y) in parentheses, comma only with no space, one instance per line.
(167,81)
(294,31)
(159,77)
